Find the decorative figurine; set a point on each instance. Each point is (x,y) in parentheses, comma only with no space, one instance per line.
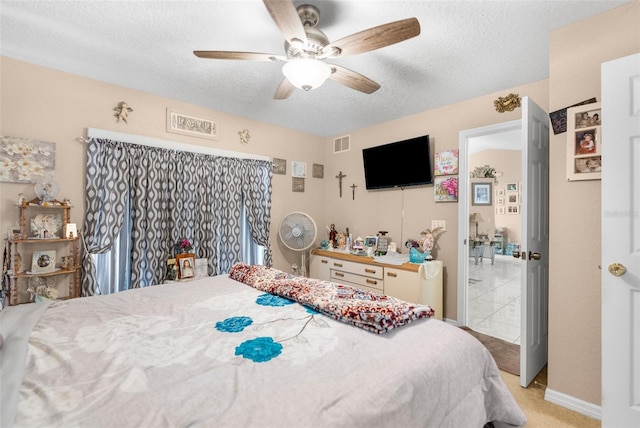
(21,199)
(244,136)
(122,111)
(332,236)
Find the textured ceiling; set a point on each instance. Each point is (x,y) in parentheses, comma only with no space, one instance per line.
(466,49)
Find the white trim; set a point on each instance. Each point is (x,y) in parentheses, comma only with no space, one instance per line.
(452,322)
(170,145)
(572,403)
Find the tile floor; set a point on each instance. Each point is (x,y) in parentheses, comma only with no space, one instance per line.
(494,297)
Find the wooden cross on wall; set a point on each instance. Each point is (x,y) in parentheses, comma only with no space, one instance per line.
(340,176)
(353,191)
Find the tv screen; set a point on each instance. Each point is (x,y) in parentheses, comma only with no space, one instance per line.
(400,164)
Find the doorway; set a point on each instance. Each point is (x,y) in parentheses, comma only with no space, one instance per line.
(494,284)
(534,246)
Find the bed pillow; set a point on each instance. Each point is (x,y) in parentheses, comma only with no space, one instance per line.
(371,311)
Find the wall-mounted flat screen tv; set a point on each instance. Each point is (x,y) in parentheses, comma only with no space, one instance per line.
(400,164)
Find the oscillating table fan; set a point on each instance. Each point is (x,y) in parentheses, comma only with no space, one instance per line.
(298,232)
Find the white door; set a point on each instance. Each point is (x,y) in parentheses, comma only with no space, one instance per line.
(621,242)
(535,241)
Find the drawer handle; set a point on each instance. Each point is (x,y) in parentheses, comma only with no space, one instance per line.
(371,281)
(324,261)
(392,274)
(337,264)
(370,270)
(340,274)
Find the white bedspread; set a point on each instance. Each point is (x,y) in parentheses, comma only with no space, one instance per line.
(185,354)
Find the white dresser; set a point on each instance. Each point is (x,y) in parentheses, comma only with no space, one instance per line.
(417,283)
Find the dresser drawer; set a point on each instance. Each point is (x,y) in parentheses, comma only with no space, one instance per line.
(340,276)
(357,268)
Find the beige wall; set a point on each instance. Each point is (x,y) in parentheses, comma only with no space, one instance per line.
(48,105)
(574,281)
(508,164)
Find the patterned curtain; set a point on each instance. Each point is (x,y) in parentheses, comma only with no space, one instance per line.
(256,186)
(106,193)
(171,195)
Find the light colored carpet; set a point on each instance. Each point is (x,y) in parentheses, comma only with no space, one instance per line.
(541,413)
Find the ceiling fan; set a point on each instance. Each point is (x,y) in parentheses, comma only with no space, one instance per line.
(307,48)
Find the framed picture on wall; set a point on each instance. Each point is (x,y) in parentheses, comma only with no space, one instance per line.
(298,169)
(584,142)
(481,194)
(279,166)
(512,187)
(513,209)
(445,189)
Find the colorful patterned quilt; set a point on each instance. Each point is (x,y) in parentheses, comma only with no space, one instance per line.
(215,352)
(371,311)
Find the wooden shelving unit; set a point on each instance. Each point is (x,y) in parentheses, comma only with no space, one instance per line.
(27,243)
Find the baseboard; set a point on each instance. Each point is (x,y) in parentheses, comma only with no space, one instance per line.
(450,321)
(572,403)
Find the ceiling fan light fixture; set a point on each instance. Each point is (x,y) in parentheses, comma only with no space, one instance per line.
(306,73)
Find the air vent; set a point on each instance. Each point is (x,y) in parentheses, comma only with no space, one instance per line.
(341,144)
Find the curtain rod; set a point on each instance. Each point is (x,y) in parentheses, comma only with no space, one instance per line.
(169,145)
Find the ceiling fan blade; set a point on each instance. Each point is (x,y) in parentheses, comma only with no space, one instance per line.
(373,38)
(353,79)
(284,90)
(285,15)
(254,56)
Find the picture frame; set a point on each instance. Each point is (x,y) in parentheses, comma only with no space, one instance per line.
(43,224)
(445,188)
(14,234)
(180,123)
(499,192)
(41,156)
(512,187)
(500,210)
(513,209)
(481,194)
(513,199)
(584,143)
(371,241)
(70,231)
(279,166)
(43,261)
(186,265)
(500,201)
(297,184)
(317,170)
(446,162)
(298,169)
(559,117)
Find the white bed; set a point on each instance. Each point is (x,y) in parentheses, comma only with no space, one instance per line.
(180,355)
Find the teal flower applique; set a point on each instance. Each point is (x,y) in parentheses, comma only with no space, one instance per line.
(259,350)
(233,324)
(271,300)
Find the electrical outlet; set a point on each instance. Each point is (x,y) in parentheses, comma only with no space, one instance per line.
(438,223)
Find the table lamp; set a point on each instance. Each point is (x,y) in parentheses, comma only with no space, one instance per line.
(476,218)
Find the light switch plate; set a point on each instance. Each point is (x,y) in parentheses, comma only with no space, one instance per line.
(439,223)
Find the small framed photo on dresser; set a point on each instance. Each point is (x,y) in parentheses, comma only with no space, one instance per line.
(186,265)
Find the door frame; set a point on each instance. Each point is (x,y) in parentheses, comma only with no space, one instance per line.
(463,206)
